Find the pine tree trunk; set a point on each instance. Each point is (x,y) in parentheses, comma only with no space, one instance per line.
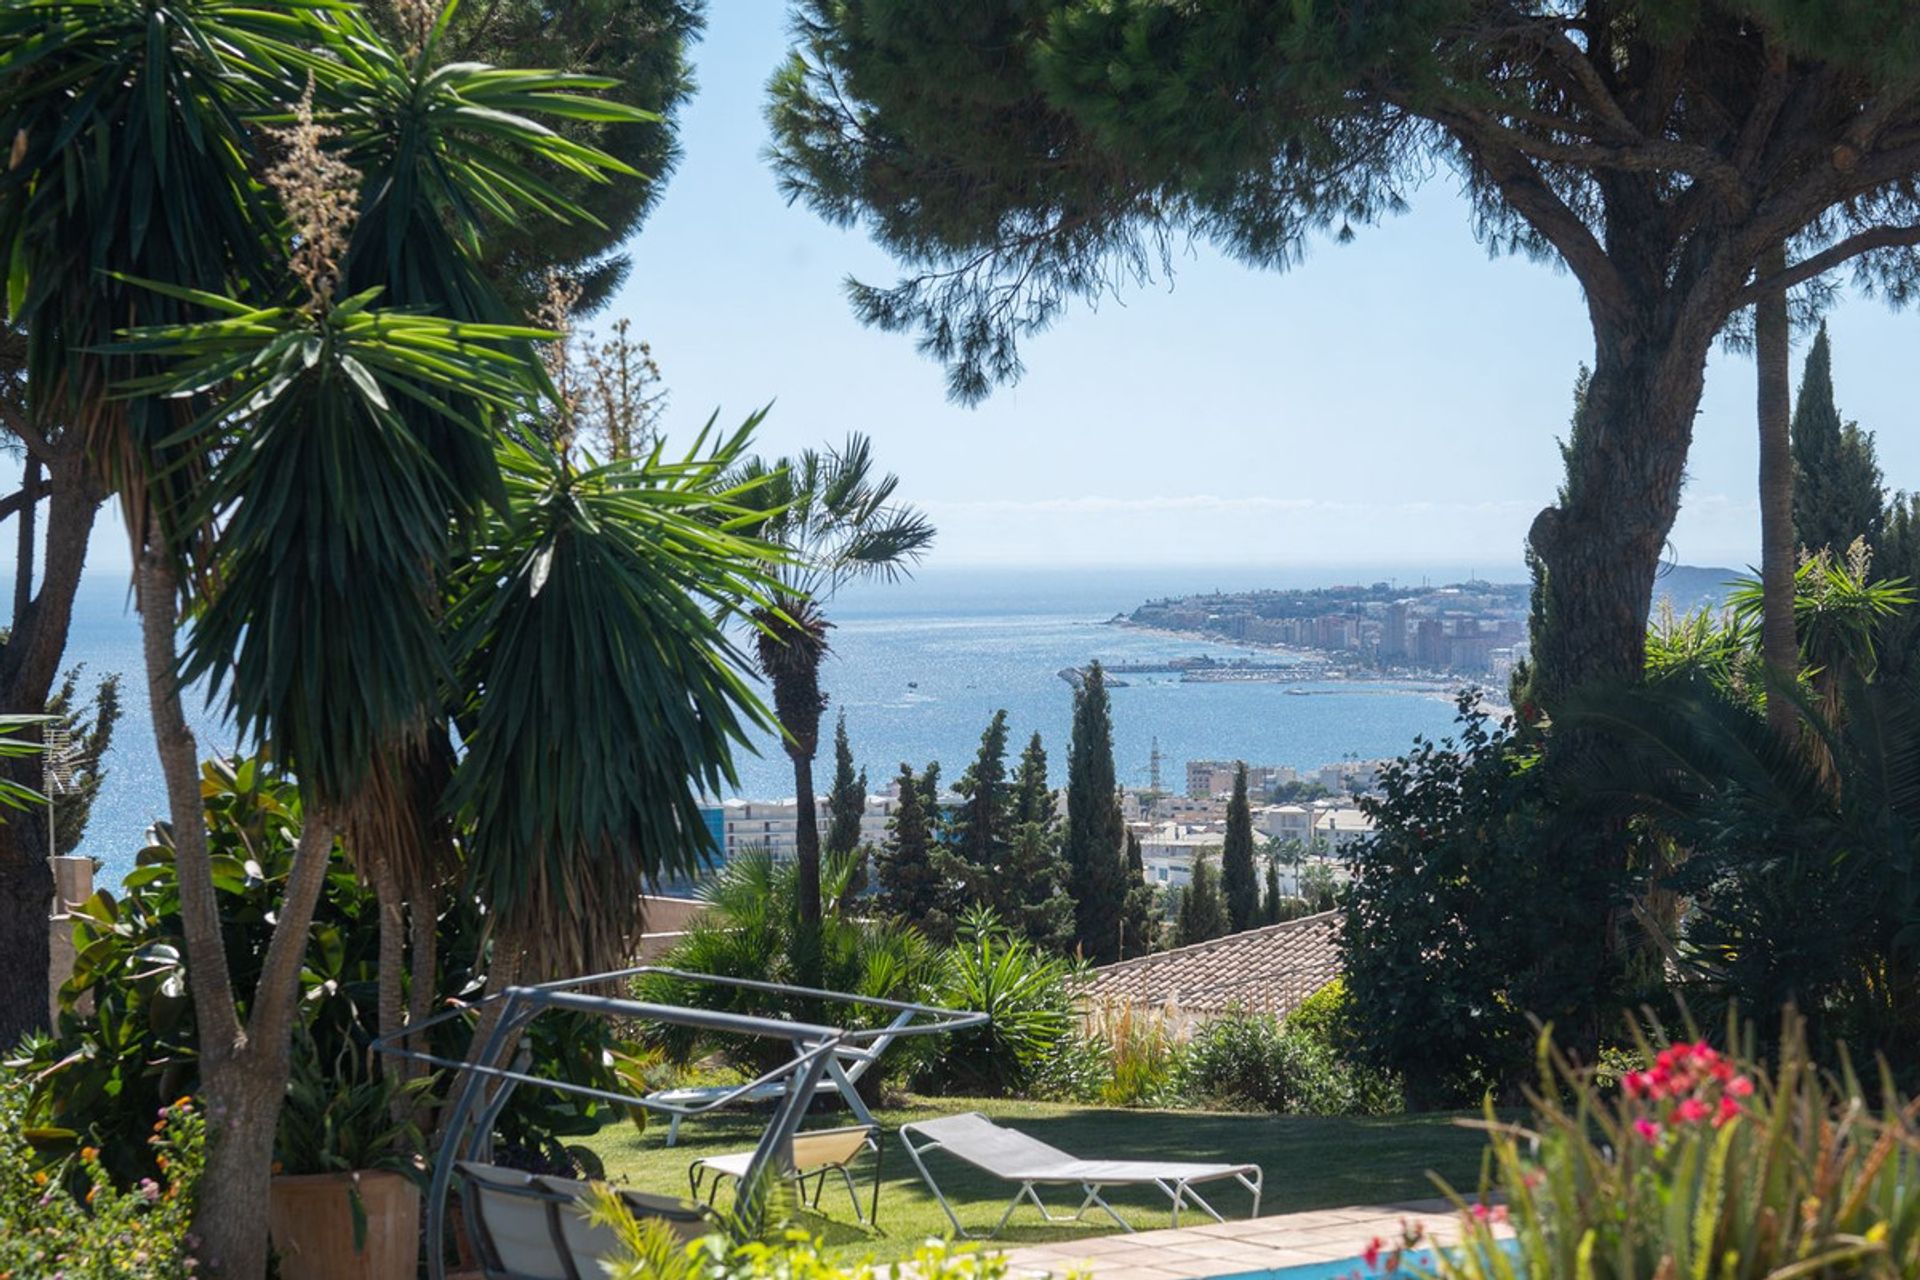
(1779,646)
(29,663)
(1601,546)
(1601,549)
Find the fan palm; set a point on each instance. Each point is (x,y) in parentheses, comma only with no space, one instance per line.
(837,521)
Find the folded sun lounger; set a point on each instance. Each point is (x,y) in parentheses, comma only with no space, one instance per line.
(1015,1157)
(809,1155)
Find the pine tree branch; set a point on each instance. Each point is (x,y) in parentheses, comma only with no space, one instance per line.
(1890,237)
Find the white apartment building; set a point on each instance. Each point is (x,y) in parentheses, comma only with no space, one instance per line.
(769,824)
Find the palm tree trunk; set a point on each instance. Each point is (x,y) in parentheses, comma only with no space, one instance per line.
(391,1000)
(806,840)
(1779,647)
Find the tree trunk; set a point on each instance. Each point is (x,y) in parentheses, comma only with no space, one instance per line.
(243,1092)
(29,521)
(1600,549)
(29,662)
(391,903)
(1601,546)
(1779,646)
(806,840)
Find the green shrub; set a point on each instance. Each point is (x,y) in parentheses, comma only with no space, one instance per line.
(649,1252)
(1702,1165)
(70,1219)
(1025,993)
(1254,1062)
(751,929)
(1119,1056)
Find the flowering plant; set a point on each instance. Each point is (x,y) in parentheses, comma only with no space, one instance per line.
(1702,1164)
(72,1221)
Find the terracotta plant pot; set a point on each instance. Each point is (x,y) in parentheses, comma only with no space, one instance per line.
(310,1218)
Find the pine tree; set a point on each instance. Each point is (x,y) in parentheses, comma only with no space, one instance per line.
(1837,490)
(1239,882)
(847,802)
(1270,909)
(910,886)
(1095,853)
(1143,906)
(1203,912)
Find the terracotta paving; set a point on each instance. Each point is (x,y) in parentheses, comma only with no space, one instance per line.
(1230,1248)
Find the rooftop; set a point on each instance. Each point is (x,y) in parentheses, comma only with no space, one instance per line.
(1271,969)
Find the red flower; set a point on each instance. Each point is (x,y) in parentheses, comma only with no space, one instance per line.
(1728,1110)
(1647,1129)
(1372,1254)
(1692,1111)
(1740,1087)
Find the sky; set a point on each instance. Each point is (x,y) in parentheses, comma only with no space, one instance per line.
(1394,401)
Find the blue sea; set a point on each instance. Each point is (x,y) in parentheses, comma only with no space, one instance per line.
(920,666)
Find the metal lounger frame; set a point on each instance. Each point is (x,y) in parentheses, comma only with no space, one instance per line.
(485,1087)
(1178,1190)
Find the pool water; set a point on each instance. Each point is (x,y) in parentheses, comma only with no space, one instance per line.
(1338,1269)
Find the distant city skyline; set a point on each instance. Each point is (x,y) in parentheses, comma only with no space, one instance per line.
(1392,401)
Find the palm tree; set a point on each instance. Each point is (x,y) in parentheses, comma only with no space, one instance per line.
(836,522)
(131,213)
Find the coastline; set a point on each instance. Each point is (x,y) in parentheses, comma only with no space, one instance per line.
(1324,665)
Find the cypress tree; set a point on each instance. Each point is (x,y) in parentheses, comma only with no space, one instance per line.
(1032,798)
(1239,882)
(1837,490)
(982,825)
(1095,853)
(846,805)
(910,886)
(1203,912)
(1270,909)
(847,801)
(1030,892)
(1143,905)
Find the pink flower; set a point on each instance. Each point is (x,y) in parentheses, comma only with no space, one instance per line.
(1729,1110)
(1372,1254)
(1647,1129)
(1740,1087)
(1692,1111)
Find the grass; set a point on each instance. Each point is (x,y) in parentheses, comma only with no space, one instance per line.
(1310,1163)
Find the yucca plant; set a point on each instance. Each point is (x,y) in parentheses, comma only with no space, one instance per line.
(605,692)
(1025,993)
(1703,1164)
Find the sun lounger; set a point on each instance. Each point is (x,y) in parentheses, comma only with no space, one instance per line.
(1015,1157)
(844,1070)
(529,1227)
(810,1155)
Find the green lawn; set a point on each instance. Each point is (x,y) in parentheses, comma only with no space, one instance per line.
(1310,1163)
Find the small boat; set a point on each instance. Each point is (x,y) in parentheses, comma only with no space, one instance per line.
(913,684)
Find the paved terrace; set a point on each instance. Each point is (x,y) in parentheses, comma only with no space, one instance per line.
(1231,1248)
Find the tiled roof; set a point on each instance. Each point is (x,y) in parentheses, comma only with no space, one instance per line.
(1268,970)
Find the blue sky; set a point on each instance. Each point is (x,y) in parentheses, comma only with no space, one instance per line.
(1393,402)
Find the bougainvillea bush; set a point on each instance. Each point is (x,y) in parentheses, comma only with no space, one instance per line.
(1700,1164)
(71,1220)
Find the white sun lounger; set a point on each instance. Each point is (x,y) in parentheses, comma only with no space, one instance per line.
(844,1070)
(1016,1157)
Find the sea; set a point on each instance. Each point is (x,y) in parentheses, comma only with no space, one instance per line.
(919,666)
